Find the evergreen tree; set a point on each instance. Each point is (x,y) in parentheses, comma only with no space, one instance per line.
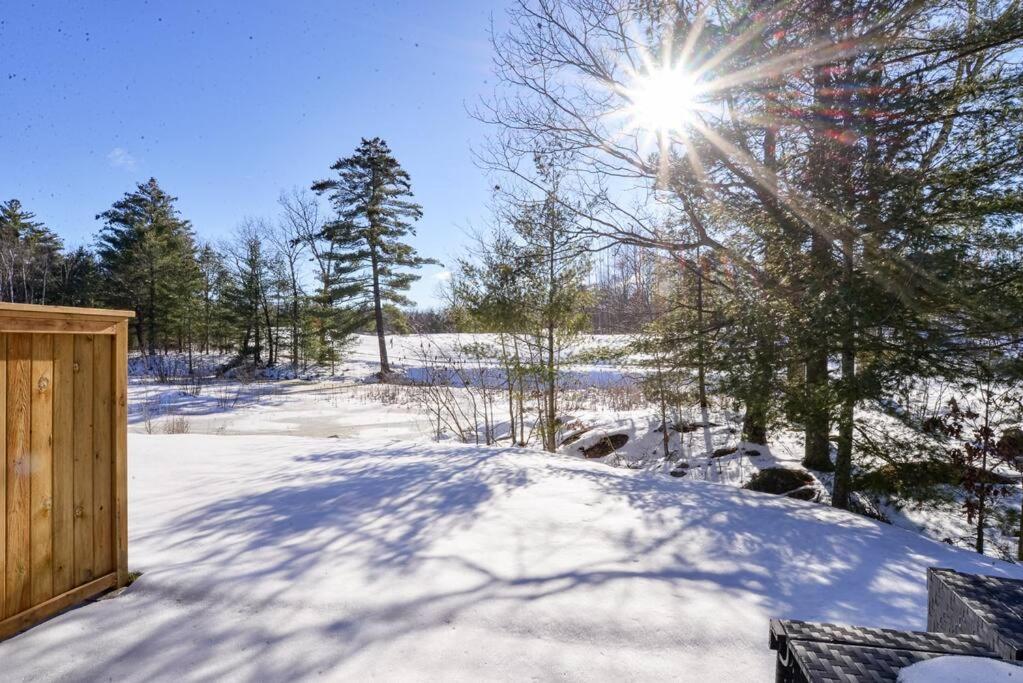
(214,317)
(78,279)
(372,199)
(248,294)
(147,255)
(529,284)
(30,255)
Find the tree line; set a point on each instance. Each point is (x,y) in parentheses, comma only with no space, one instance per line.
(290,289)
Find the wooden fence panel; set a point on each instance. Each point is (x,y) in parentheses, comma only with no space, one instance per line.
(63,463)
(3,477)
(41,459)
(83,459)
(63,459)
(102,467)
(19,491)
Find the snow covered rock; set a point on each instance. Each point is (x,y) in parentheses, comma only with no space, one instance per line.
(605,446)
(784,481)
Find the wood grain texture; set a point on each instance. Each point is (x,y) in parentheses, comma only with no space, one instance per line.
(120,427)
(63,463)
(102,464)
(82,449)
(49,326)
(41,464)
(63,312)
(63,459)
(3,476)
(19,492)
(19,622)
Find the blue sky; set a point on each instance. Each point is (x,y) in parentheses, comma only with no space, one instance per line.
(227,104)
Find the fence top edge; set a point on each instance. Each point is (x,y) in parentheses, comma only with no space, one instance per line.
(64,312)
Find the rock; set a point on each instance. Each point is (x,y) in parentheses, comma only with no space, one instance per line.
(803,493)
(607,445)
(685,427)
(783,481)
(678,472)
(722,452)
(1012,441)
(574,436)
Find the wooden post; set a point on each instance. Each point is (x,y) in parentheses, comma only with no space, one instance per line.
(120,420)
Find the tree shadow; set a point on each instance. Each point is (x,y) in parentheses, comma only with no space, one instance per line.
(507,541)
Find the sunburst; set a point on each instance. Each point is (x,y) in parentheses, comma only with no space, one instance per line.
(662,100)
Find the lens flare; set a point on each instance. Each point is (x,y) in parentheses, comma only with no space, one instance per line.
(663,100)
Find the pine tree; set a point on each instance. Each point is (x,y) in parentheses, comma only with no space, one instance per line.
(372,199)
(30,255)
(526,283)
(147,254)
(78,281)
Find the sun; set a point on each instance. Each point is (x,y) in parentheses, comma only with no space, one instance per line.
(662,100)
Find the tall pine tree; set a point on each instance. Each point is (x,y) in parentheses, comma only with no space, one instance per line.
(146,252)
(372,198)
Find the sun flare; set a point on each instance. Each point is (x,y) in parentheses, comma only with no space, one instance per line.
(663,100)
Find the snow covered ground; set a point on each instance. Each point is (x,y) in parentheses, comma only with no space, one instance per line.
(601,400)
(282,558)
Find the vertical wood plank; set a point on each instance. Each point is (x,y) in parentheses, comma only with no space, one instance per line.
(3,476)
(19,402)
(102,464)
(83,512)
(41,468)
(120,426)
(63,463)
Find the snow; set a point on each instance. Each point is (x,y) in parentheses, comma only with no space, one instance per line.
(956,669)
(269,557)
(599,399)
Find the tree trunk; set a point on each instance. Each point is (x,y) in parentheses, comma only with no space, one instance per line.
(817,447)
(701,358)
(140,330)
(1019,546)
(984,477)
(378,314)
(294,321)
(552,387)
(509,380)
(846,420)
(843,461)
(754,429)
(151,312)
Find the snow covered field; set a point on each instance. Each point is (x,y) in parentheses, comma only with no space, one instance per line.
(602,400)
(313,527)
(281,558)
